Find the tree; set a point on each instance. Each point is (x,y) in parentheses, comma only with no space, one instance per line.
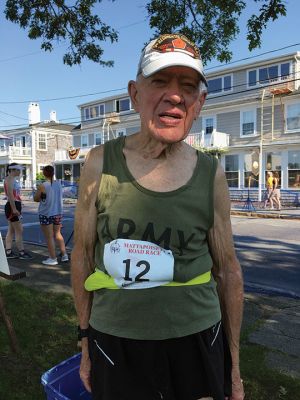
(212,24)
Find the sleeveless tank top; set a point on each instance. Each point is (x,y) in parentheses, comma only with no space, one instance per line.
(52,205)
(177,220)
(16,190)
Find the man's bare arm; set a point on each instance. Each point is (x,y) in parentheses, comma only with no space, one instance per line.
(228,274)
(82,259)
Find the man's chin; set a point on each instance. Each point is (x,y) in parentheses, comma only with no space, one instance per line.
(170,137)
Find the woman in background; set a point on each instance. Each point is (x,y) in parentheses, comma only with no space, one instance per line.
(13,210)
(49,195)
(276,190)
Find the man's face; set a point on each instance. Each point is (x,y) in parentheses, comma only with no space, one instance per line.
(168,102)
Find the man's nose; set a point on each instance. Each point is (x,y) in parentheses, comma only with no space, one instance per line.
(174,93)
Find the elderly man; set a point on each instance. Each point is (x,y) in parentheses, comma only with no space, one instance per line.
(157,285)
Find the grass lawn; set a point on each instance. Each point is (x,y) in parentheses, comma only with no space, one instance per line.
(45,325)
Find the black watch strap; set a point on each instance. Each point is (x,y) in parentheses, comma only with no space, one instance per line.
(82,333)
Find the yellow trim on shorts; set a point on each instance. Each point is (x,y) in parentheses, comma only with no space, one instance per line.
(100,280)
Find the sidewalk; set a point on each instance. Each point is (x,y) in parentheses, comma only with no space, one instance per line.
(273,322)
(255,210)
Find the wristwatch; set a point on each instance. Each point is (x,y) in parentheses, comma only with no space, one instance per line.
(82,333)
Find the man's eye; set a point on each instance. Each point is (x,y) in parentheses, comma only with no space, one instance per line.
(190,85)
(158,81)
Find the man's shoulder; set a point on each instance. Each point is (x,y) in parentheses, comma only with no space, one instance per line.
(93,162)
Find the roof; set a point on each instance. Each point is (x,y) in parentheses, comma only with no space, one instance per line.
(253,64)
(54,125)
(104,99)
(219,71)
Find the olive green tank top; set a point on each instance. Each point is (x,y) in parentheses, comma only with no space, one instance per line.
(177,220)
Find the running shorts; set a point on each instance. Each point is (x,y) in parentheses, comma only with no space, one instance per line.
(185,368)
(54,219)
(8,213)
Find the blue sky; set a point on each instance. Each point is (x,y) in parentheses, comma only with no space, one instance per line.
(30,74)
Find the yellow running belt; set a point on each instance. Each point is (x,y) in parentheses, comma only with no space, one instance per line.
(100,280)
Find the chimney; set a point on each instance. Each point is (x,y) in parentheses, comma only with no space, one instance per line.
(34,114)
(53,116)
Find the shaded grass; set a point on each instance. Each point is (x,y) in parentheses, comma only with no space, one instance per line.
(261,382)
(45,326)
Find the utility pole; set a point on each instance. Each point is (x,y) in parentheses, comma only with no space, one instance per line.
(260,176)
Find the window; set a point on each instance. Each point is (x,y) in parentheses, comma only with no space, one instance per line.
(219,85)
(293,116)
(285,71)
(273,163)
(58,171)
(294,169)
(232,170)
(76,171)
(265,75)
(84,141)
(93,112)
(250,180)
(123,105)
(41,167)
(77,141)
(67,172)
(248,122)
(97,139)
(252,78)
(209,125)
(42,141)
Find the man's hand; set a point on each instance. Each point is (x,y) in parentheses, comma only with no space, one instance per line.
(85,371)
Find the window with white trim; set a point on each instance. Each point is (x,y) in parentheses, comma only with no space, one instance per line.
(42,141)
(249,179)
(209,125)
(294,169)
(97,139)
(93,112)
(220,85)
(248,122)
(293,116)
(267,75)
(232,170)
(84,141)
(40,168)
(273,162)
(123,105)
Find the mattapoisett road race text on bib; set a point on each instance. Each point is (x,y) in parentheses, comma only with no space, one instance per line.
(135,264)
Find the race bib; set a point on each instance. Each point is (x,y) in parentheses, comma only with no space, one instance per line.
(136,264)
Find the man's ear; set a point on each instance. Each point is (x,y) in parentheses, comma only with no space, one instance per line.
(133,91)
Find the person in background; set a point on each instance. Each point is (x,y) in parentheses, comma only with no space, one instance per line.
(49,195)
(13,213)
(276,190)
(157,285)
(269,191)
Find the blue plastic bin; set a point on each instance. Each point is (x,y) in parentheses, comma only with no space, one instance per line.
(62,382)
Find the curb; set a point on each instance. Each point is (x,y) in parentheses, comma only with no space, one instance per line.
(259,215)
(269,291)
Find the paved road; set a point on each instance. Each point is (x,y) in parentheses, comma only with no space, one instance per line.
(32,231)
(269,253)
(268,249)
